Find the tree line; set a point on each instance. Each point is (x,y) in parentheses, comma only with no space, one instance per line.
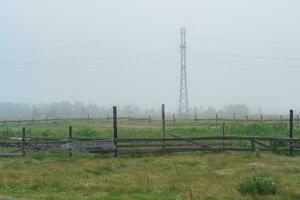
(79,109)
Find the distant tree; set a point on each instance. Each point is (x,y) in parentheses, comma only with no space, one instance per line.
(130,110)
(210,111)
(238,109)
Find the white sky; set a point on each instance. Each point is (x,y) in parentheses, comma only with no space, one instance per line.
(126,52)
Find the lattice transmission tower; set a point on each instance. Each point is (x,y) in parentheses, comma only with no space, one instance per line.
(183,91)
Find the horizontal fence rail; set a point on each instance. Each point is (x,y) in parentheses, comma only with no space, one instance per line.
(152,145)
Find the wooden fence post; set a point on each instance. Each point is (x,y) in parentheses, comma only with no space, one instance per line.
(247,118)
(233,117)
(149,121)
(70,140)
(163,121)
(195,117)
(297,119)
(217,119)
(88,117)
(281,118)
(23,141)
(253,145)
(115,130)
(291,131)
(261,118)
(223,134)
(174,120)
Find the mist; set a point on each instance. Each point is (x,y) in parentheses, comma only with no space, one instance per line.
(127,52)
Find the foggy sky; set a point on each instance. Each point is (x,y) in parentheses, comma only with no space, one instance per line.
(127,52)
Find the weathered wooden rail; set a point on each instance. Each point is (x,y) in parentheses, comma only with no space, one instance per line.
(152,145)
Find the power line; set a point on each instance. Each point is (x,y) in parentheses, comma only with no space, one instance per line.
(95,44)
(84,68)
(193,64)
(245,56)
(76,60)
(245,41)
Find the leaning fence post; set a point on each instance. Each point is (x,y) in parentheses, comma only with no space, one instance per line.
(70,140)
(149,121)
(163,120)
(223,134)
(115,130)
(291,132)
(23,141)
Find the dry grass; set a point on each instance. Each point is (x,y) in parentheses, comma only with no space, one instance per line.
(176,176)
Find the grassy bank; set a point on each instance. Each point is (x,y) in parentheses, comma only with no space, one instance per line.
(175,176)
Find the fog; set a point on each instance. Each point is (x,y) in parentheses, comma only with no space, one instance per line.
(127,52)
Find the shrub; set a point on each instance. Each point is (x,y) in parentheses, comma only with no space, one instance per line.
(257,185)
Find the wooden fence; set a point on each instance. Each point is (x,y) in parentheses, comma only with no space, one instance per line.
(173,143)
(218,119)
(116,146)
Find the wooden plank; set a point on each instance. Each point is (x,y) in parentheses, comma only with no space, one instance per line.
(70,139)
(11,154)
(115,130)
(262,144)
(149,139)
(182,149)
(170,145)
(291,131)
(23,141)
(163,122)
(223,135)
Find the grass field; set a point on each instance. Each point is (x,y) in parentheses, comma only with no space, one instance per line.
(103,128)
(171,176)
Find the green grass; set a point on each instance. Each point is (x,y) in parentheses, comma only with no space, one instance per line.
(171,176)
(102,128)
(258,185)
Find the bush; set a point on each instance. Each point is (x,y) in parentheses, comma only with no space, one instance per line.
(257,185)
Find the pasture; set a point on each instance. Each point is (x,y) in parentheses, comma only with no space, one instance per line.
(171,176)
(198,175)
